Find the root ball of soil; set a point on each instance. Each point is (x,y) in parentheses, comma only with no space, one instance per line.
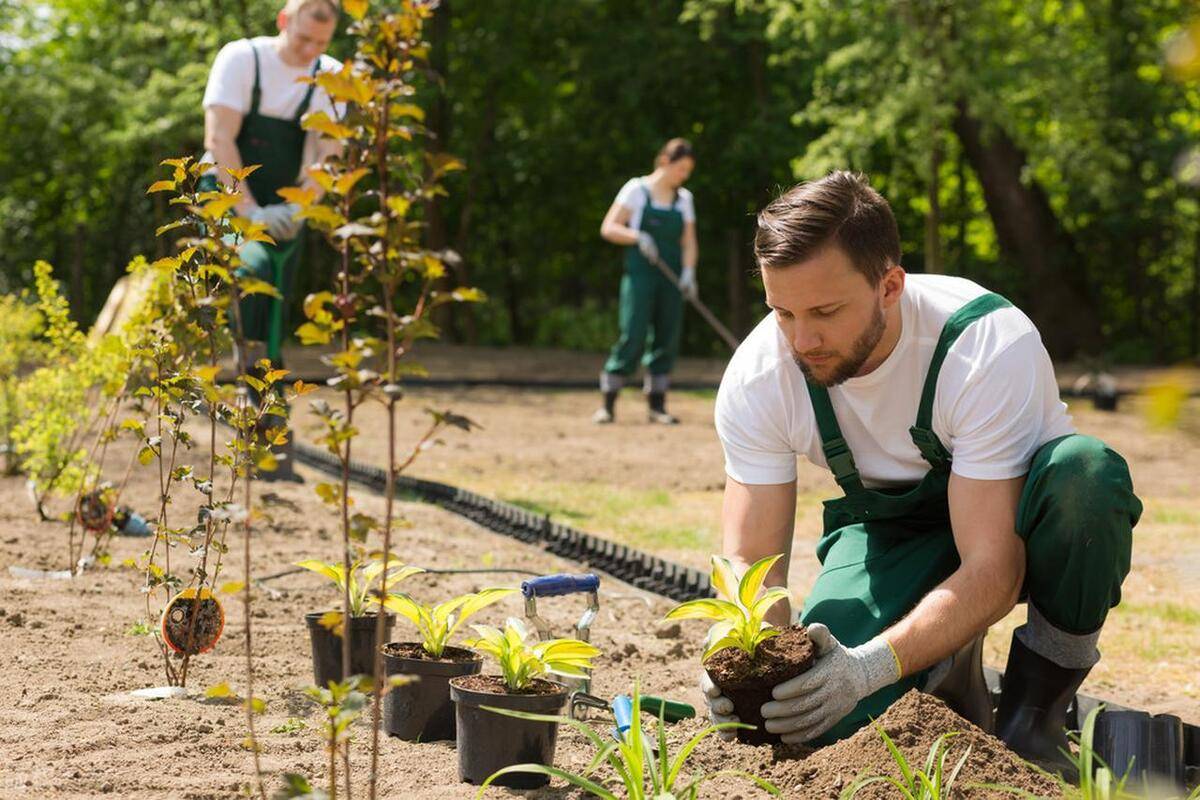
(748,682)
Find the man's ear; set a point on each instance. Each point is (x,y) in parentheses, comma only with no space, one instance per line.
(281,20)
(892,286)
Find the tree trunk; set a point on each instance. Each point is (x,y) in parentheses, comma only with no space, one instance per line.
(436,235)
(735,279)
(1032,239)
(933,220)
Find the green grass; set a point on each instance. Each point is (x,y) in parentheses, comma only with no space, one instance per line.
(1166,612)
(1169,515)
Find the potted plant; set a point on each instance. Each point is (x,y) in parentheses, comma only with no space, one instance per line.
(421,710)
(488,741)
(326,628)
(746,656)
(639,760)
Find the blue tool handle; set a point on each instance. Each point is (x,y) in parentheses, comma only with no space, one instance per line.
(560,584)
(622,708)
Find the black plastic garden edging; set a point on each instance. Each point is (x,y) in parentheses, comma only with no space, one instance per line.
(631,565)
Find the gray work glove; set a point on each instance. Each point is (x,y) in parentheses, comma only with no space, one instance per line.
(687,283)
(810,704)
(280,221)
(720,707)
(646,246)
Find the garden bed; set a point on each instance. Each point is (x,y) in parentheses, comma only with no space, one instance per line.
(68,727)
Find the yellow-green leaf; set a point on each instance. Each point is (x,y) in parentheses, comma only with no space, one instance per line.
(232,587)
(355,8)
(161,186)
(220,690)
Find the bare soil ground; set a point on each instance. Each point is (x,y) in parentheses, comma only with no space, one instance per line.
(70,729)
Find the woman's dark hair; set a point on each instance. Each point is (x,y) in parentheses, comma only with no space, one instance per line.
(674,150)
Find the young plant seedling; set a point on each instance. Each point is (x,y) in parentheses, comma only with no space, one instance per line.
(521,663)
(358,583)
(930,783)
(437,624)
(641,763)
(738,614)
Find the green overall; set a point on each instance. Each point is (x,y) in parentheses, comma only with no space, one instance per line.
(278,146)
(883,550)
(651,309)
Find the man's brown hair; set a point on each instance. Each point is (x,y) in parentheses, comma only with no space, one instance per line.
(320,10)
(840,209)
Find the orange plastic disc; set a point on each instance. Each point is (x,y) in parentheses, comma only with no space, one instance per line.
(177,615)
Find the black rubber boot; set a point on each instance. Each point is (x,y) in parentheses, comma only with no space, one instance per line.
(657,411)
(608,413)
(965,690)
(1032,716)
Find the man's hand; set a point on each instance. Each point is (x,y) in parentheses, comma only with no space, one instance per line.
(687,283)
(280,221)
(812,703)
(647,247)
(720,707)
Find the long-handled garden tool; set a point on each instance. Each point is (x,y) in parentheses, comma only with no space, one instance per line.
(670,711)
(694,299)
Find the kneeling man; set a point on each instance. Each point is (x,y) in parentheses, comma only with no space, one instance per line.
(965,487)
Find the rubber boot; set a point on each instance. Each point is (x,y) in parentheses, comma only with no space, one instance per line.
(657,411)
(965,690)
(1032,716)
(607,414)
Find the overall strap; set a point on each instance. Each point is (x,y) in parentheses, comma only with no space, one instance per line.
(256,92)
(922,433)
(303,109)
(833,444)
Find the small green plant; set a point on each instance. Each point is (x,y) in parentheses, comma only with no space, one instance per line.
(293,725)
(437,624)
(139,628)
(646,772)
(738,613)
(361,578)
(521,662)
(930,783)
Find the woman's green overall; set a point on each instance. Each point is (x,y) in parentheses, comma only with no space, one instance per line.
(882,550)
(651,309)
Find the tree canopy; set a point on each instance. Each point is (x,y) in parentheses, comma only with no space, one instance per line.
(1032,145)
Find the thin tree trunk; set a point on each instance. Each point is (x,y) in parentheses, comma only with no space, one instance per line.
(436,234)
(1032,238)
(735,280)
(933,220)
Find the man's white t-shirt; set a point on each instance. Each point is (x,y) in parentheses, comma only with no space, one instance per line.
(997,399)
(633,196)
(231,84)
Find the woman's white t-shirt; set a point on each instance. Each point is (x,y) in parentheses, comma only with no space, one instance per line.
(633,196)
(997,398)
(231,84)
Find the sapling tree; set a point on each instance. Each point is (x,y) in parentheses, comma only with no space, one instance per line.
(522,661)
(384,291)
(21,346)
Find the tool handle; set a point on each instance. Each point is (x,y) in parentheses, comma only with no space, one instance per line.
(622,708)
(671,710)
(560,584)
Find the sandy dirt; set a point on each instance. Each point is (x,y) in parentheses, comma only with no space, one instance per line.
(70,729)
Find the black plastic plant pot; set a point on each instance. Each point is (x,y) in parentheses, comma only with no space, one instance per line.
(422,711)
(327,646)
(488,741)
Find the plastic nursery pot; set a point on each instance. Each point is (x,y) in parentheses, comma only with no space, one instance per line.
(488,741)
(327,647)
(422,711)
(748,682)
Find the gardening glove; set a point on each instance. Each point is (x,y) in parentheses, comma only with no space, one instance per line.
(687,283)
(810,704)
(646,246)
(280,221)
(720,707)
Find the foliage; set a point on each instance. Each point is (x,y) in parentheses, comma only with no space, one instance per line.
(436,624)
(21,327)
(930,783)
(363,575)
(521,663)
(738,613)
(641,762)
